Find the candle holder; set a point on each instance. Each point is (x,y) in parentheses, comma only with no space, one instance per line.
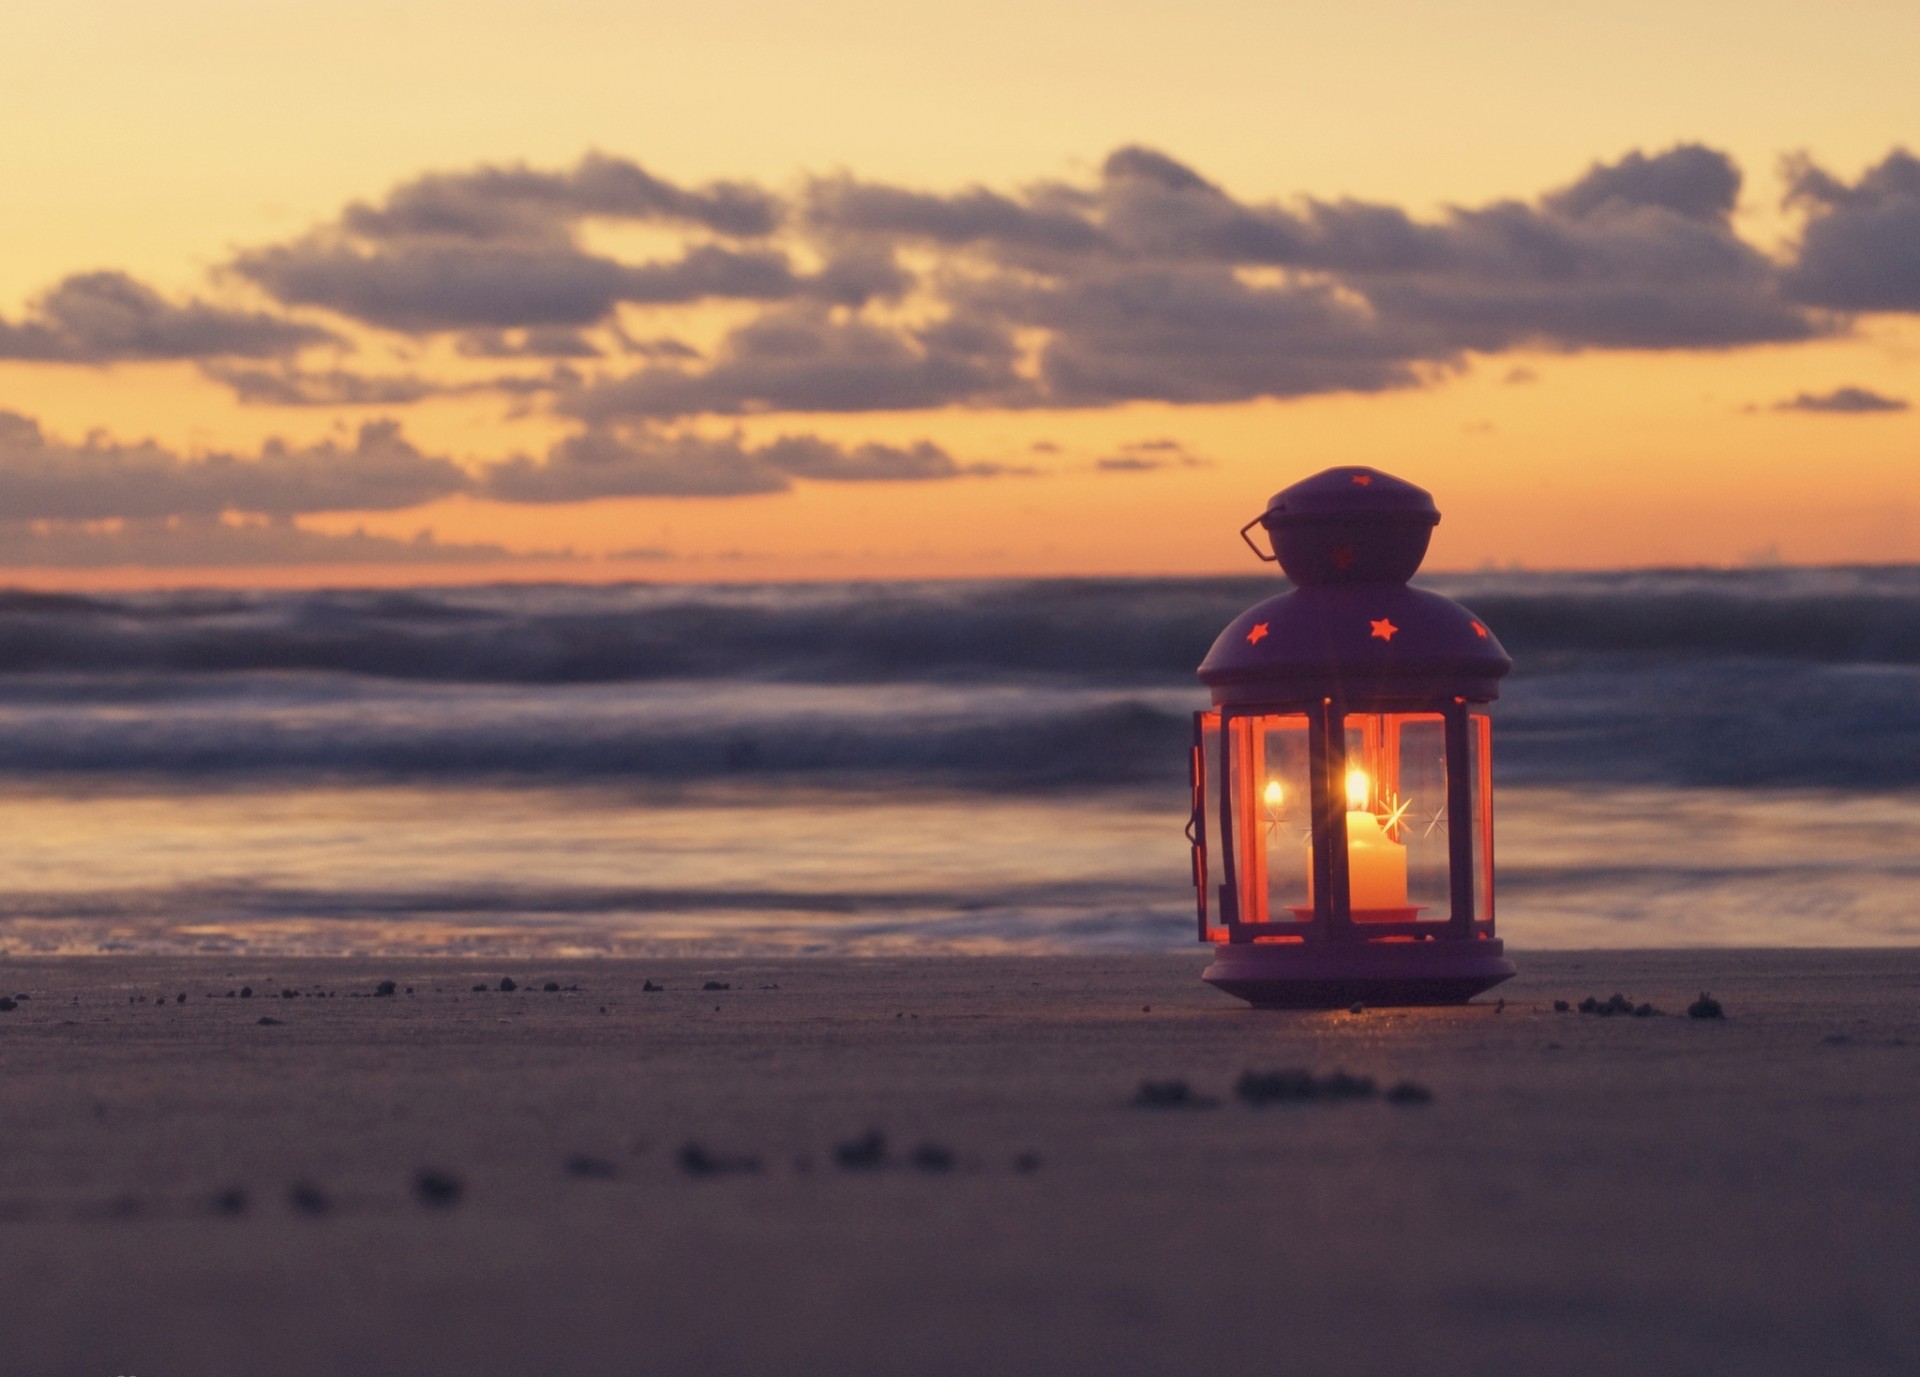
(1342,781)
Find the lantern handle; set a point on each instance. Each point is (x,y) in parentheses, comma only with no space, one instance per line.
(1270,559)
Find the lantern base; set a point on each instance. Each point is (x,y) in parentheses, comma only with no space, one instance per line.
(1381,974)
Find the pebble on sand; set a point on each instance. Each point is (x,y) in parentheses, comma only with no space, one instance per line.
(271,1023)
(933,1158)
(438,1189)
(1260,1088)
(862,1154)
(551,987)
(648,987)
(232,1201)
(384,990)
(590,1168)
(1409,1092)
(1705,1007)
(303,1197)
(7,1006)
(695,1160)
(716,985)
(1169,1095)
(507,985)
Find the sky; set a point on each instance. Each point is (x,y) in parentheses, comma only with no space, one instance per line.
(349,292)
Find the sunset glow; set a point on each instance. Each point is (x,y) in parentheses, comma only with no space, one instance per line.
(322,294)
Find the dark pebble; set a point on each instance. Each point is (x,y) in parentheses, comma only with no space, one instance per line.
(1026,1162)
(438,1189)
(159,999)
(1835,1040)
(230,1202)
(7,1006)
(1560,1006)
(1168,1095)
(479,989)
(648,987)
(507,985)
(271,1023)
(931,1157)
(590,1168)
(246,992)
(180,999)
(384,990)
(1408,1092)
(716,985)
(551,987)
(1356,1007)
(303,1197)
(862,1154)
(1259,1088)
(1645,1011)
(1705,1007)
(695,1160)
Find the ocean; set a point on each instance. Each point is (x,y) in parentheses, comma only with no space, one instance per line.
(1682,758)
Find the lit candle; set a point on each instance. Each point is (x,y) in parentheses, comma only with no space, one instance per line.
(1376,863)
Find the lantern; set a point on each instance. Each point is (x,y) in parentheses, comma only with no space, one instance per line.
(1342,821)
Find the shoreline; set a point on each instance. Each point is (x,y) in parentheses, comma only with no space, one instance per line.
(188,1190)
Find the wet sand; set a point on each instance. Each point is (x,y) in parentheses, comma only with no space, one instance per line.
(187,1190)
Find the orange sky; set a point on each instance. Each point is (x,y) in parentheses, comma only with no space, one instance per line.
(1591,428)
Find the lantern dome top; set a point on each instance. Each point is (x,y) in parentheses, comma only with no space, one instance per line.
(1350,538)
(1350,525)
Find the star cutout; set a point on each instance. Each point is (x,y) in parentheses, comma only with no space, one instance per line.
(1480,631)
(1363,479)
(1258,634)
(1382,630)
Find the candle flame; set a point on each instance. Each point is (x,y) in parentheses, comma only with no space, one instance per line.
(1359,789)
(1272,797)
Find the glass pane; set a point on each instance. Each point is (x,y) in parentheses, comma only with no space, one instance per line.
(1272,813)
(1480,746)
(1397,824)
(1285,809)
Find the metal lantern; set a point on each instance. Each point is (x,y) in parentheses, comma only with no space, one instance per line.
(1342,822)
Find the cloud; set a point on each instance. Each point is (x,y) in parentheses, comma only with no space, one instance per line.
(805,360)
(330,387)
(1146,456)
(1146,281)
(1860,247)
(100,480)
(494,204)
(108,317)
(542,342)
(290,386)
(601,462)
(1843,401)
(206,542)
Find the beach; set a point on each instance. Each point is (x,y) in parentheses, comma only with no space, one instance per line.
(318,1178)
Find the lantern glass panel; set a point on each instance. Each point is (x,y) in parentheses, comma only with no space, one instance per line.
(1480,753)
(1398,852)
(1272,813)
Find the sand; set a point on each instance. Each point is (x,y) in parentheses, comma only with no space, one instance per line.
(1581,1194)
